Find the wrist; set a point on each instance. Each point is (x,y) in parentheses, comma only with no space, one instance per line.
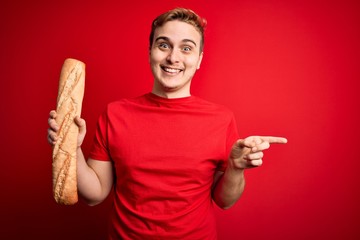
(232,170)
(234,166)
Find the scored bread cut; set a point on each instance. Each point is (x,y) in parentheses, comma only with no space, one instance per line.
(69,103)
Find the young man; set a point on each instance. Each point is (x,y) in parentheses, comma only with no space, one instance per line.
(172,154)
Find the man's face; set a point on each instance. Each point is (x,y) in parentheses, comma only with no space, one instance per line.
(174,58)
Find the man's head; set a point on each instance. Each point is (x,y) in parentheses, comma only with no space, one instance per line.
(175,53)
(183,15)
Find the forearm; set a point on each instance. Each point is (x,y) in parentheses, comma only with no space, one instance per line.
(229,187)
(89,185)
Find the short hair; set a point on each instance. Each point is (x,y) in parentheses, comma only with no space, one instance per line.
(183,15)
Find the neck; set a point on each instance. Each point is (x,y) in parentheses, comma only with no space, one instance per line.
(171,93)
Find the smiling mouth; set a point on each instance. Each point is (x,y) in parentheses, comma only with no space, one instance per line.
(171,70)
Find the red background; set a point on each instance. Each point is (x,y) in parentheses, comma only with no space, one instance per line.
(287,68)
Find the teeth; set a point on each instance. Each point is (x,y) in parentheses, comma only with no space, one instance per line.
(171,70)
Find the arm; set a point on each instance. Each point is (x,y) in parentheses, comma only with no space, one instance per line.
(94,178)
(245,153)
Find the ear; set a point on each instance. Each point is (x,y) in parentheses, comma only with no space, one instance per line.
(200,59)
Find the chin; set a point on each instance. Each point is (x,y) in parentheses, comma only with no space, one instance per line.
(171,83)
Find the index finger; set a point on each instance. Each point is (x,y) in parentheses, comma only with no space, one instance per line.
(271,139)
(52,114)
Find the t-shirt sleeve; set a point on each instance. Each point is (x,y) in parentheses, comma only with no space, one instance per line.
(99,149)
(231,136)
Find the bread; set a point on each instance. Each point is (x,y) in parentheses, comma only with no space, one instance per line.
(69,103)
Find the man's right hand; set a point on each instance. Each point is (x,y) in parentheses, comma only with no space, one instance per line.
(54,128)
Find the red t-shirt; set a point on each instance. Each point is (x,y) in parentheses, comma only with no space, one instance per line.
(165,153)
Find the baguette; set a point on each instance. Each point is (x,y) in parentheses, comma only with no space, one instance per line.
(69,103)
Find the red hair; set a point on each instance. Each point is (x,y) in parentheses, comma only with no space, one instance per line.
(180,14)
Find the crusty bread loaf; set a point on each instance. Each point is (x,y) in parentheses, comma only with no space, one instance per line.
(69,102)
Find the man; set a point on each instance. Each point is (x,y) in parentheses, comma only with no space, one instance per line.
(167,154)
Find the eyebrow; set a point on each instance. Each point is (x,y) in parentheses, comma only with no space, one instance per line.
(168,39)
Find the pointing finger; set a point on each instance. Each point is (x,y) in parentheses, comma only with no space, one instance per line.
(270,139)
(260,147)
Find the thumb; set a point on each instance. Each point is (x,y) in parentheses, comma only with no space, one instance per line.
(82,129)
(245,143)
(81,123)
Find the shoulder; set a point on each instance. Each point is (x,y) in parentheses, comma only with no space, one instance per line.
(211,106)
(124,103)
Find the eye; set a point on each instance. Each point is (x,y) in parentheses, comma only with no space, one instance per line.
(163,45)
(186,48)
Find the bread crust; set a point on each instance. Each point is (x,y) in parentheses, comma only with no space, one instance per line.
(69,104)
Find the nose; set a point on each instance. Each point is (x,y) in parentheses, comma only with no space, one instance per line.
(173,56)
